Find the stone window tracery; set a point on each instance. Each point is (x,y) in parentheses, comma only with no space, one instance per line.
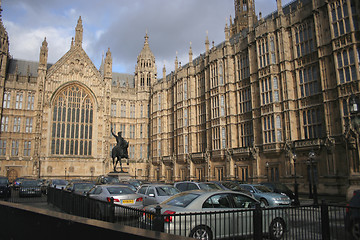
(72,122)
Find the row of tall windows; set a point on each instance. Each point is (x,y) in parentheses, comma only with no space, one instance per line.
(340,17)
(19,100)
(312,123)
(309,80)
(15,151)
(272,129)
(346,65)
(245,100)
(304,39)
(16,124)
(243,70)
(263,53)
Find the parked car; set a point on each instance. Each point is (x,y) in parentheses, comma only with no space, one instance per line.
(235,186)
(156,193)
(266,196)
(106,180)
(58,183)
(79,187)
(188,185)
(122,196)
(282,189)
(352,217)
(17,182)
(5,191)
(236,220)
(30,188)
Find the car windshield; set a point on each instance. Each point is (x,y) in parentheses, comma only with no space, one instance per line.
(166,191)
(83,186)
(112,180)
(119,190)
(60,182)
(29,183)
(209,186)
(261,188)
(182,200)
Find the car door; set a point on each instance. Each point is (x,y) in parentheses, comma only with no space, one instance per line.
(220,223)
(142,191)
(150,196)
(243,221)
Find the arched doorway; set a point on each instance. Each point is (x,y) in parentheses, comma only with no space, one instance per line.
(12,174)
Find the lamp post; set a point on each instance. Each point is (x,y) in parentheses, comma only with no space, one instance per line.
(296,185)
(354,110)
(267,171)
(312,176)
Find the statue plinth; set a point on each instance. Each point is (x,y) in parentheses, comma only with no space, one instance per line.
(122,176)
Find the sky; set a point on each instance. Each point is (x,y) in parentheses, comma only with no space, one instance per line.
(121,26)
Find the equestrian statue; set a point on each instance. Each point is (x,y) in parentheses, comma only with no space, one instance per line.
(120,150)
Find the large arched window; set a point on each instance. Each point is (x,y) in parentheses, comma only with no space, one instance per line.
(72,122)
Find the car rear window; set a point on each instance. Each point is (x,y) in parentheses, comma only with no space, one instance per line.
(182,200)
(166,191)
(119,190)
(209,186)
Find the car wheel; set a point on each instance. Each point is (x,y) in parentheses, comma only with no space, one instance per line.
(264,203)
(277,229)
(355,230)
(201,232)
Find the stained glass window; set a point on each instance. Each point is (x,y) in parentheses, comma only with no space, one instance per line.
(72,122)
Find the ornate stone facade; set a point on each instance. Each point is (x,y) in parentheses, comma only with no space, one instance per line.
(275,90)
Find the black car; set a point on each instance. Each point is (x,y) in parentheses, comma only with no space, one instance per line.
(5,191)
(30,188)
(282,189)
(352,217)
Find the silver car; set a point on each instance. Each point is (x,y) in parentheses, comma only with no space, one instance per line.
(266,196)
(121,195)
(156,193)
(218,214)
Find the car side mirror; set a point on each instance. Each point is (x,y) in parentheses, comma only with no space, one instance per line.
(151,195)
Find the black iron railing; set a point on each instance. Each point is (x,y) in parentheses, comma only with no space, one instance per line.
(321,221)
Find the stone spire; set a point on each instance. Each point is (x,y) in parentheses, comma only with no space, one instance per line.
(164,73)
(108,65)
(207,42)
(190,55)
(176,62)
(279,7)
(79,33)
(43,54)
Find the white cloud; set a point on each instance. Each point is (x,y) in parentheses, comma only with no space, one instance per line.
(26,42)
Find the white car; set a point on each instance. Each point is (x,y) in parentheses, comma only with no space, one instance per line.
(121,195)
(217,214)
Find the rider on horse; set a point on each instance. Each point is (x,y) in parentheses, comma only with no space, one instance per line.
(120,150)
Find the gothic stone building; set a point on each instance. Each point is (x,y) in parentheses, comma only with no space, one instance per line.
(273,102)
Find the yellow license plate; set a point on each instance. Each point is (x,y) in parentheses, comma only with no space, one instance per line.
(127,201)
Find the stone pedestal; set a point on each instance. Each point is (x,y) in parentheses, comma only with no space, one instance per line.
(122,176)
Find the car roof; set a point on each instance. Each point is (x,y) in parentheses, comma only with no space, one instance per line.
(156,185)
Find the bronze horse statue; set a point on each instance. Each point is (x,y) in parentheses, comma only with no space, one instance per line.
(120,150)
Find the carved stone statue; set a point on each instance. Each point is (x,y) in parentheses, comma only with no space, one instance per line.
(120,150)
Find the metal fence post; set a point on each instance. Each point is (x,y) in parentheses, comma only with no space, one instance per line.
(158,222)
(257,222)
(325,222)
(112,210)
